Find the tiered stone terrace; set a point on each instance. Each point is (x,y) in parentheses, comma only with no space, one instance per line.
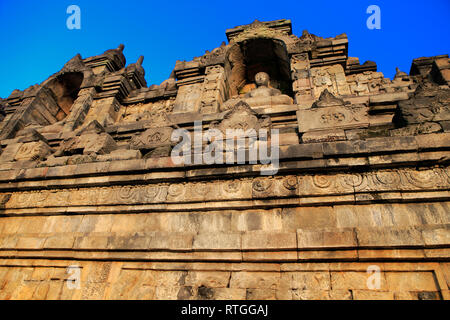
(86,177)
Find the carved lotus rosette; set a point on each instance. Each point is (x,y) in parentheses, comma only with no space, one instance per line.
(425,179)
(33,151)
(127,195)
(176,191)
(58,198)
(290,183)
(321,181)
(383,180)
(84,196)
(105,195)
(262,184)
(199,191)
(141,194)
(323,184)
(353,180)
(387,177)
(275,187)
(380,181)
(244,188)
(232,187)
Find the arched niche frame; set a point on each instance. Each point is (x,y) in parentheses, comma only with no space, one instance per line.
(64,91)
(246,58)
(64,88)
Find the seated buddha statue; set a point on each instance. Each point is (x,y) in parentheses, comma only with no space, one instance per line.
(262,87)
(262,95)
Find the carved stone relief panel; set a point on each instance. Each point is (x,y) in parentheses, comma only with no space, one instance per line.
(188,98)
(335,184)
(33,151)
(330,77)
(332,117)
(152,138)
(146,111)
(382,180)
(241,116)
(275,187)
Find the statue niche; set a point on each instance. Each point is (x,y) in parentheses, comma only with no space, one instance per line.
(65,90)
(245,59)
(258,71)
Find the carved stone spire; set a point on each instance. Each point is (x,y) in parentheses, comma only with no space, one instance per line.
(399,74)
(139,61)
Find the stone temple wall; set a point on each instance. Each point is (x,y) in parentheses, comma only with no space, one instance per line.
(87,178)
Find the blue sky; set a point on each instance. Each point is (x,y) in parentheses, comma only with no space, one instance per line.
(36,42)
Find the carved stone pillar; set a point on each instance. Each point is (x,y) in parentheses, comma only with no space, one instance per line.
(214,90)
(105,111)
(188,97)
(301,85)
(80,109)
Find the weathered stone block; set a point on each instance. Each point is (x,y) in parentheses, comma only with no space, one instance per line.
(33,151)
(254,240)
(435,140)
(323,136)
(61,241)
(354,280)
(328,255)
(391,144)
(311,150)
(345,147)
(389,237)
(263,256)
(229,294)
(217,241)
(100,144)
(410,281)
(261,294)
(255,280)
(332,117)
(372,295)
(439,235)
(315,239)
(313,280)
(308,218)
(210,279)
(131,242)
(388,97)
(120,155)
(310,294)
(170,240)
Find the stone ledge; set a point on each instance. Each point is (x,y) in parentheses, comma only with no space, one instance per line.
(230,205)
(336,255)
(263,240)
(336,243)
(388,97)
(314,151)
(326,239)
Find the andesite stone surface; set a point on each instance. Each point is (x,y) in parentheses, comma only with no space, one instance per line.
(86,177)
